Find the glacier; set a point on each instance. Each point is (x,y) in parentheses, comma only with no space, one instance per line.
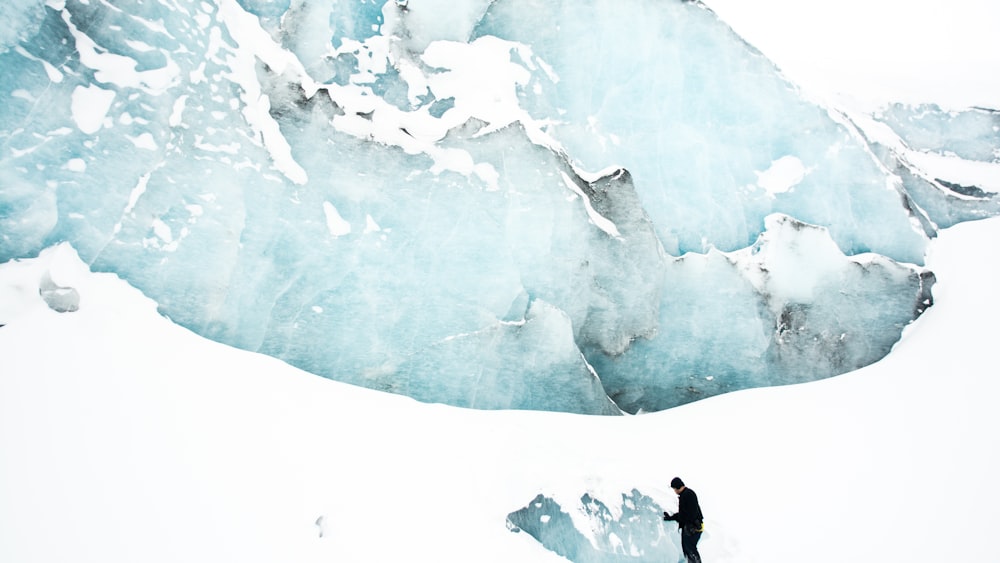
(598,207)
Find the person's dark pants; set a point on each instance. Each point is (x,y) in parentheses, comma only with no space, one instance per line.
(689,544)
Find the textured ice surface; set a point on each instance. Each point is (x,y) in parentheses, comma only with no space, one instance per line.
(669,92)
(758,316)
(973,134)
(949,162)
(596,533)
(507,204)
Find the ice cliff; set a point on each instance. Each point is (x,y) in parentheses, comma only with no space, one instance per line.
(594,207)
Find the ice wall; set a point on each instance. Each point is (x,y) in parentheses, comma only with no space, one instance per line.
(697,116)
(512,204)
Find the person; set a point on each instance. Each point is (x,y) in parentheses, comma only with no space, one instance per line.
(689,519)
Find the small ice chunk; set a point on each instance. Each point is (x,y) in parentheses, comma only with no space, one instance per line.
(59,299)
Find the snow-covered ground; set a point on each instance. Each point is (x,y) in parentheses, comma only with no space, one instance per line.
(125,438)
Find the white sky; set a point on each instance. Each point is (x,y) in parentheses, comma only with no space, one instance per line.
(879,50)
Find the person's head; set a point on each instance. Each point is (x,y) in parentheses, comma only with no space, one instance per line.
(677,485)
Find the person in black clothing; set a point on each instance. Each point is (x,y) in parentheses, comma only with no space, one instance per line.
(688,518)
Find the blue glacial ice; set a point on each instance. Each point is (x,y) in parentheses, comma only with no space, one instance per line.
(593,532)
(958,140)
(492,204)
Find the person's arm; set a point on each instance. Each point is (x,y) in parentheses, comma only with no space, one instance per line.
(681,511)
(685,508)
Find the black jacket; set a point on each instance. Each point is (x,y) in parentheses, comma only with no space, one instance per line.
(688,510)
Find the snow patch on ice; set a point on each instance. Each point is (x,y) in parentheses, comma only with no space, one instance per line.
(784,174)
(334,222)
